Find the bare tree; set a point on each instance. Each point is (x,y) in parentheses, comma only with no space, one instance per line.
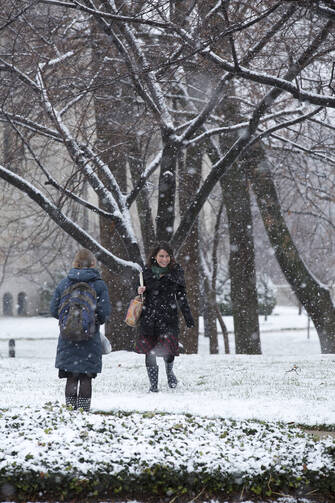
(65,97)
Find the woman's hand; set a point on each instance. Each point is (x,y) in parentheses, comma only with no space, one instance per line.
(141,289)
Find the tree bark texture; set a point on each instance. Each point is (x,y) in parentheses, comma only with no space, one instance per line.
(242,263)
(188,257)
(110,140)
(166,191)
(242,269)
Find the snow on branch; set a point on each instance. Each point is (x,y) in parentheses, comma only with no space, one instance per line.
(51,181)
(284,124)
(325,11)
(203,115)
(283,84)
(152,166)
(208,108)
(76,152)
(304,149)
(325,8)
(132,67)
(114,263)
(240,146)
(269,80)
(21,75)
(243,125)
(107,15)
(19,120)
(81,95)
(56,61)
(156,93)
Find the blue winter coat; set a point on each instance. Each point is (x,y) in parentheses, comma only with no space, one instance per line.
(84,356)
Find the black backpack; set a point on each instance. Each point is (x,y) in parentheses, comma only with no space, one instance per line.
(77,312)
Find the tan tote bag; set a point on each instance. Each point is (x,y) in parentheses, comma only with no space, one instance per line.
(135,308)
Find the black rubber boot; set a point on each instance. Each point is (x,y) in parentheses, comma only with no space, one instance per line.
(171,378)
(71,401)
(153,378)
(84,403)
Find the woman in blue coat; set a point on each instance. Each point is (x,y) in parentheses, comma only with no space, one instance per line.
(80,361)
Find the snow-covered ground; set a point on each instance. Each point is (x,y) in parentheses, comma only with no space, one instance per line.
(266,387)
(290,382)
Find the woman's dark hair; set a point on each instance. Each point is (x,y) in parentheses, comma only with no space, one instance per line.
(162,245)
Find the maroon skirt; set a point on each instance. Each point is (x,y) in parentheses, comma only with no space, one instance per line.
(162,345)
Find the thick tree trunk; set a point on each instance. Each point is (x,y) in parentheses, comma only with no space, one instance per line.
(121,289)
(188,257)
(242,263)
(315,298)
(109,137)
(167,191)
(242,271)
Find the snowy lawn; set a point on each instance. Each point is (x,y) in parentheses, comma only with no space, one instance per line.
(221,431)
(232,386)
(60,453)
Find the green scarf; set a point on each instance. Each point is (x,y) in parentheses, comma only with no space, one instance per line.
(157,271)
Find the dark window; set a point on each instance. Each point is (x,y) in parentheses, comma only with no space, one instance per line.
(22,304)
(7,304)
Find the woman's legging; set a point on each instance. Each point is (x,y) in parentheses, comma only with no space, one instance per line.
(150,359)
(85,386)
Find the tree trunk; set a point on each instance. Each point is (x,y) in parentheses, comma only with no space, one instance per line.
(315,298)
(224,330)
(166,191)
(242,270)
(109,138)
(142,201)
(121,289)
(210,317)
(216,242)
(188,257)
(242,263)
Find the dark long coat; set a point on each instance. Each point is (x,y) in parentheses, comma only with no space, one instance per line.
(159,325)
(84,356)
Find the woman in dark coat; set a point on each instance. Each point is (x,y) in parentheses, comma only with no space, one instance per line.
(164,289)
(80,361)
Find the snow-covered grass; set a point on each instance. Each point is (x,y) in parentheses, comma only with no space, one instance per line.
(222,428)
(265,387)
(163,454)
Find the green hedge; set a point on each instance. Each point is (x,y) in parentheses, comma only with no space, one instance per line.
(161,482)
(58,454)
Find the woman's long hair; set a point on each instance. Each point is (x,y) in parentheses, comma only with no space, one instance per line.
(84,259)
(162,245)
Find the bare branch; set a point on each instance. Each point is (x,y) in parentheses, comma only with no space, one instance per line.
(74,230)
(283,125)
(107,15)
